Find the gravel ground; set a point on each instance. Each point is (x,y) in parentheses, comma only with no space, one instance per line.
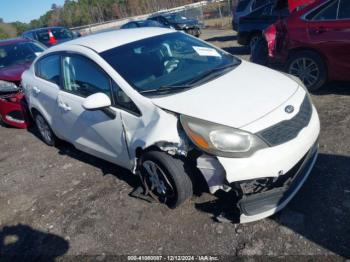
(62,202)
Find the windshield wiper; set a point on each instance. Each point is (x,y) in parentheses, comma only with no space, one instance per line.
(204,76)
(167,89)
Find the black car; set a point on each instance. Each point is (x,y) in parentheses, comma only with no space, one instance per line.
(50,36)
(178,22)
(251,26)
(142,23)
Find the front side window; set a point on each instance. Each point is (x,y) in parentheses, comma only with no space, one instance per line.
(344,9)
(327,12)
(168,62)
(82,77)
(48,68)
(19,53)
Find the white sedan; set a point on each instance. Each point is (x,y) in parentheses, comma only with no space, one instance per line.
(174,109)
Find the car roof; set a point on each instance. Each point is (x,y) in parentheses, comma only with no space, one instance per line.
(44,28)
(107,40)
(13,41)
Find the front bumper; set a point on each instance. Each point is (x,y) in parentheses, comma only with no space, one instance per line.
(261,205)
(268,168)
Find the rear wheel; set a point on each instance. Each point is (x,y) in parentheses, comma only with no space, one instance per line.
(259,52)
(165,178)
(309,67)
(45,130)
(253,40)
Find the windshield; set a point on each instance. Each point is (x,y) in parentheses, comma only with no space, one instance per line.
(150,23)
(175,18)
(170,60)
(58,33)
(19,53)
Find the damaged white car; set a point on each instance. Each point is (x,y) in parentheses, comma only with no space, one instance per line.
(168,106)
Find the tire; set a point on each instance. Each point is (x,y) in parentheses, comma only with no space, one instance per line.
(45,130)
(177,185)
(315,76)
(259,52)
(254,39)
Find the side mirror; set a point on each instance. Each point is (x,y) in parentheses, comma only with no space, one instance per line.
(97,101)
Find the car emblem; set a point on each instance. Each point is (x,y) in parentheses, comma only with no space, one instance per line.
(289,109)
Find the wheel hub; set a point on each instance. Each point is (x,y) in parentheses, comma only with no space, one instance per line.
(306,69)
(157,178)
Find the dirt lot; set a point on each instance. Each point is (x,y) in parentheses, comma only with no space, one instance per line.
(59,201)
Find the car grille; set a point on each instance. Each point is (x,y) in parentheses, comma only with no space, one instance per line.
(288,129)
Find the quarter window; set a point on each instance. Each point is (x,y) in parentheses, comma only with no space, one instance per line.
(123,101)
(344,9)
(48,68)
(82,77)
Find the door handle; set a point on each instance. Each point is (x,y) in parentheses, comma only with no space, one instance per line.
(319,30)
(65,107)
(36,90)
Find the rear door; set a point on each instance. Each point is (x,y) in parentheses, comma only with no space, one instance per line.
(329,32)
(45,87)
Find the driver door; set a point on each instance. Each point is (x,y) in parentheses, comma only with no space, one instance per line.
(93,132)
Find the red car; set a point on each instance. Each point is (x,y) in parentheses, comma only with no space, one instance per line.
(16,55)
(313,43)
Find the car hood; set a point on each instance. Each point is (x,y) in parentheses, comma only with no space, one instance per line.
(13,73)
(245,94)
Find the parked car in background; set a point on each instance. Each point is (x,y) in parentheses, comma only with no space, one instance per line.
(252,25)
(245,7)
(16,55)
(178,22)
(50,36)
(312,44)
(142,23)
(170,107)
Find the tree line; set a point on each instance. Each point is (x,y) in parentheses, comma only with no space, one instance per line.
(75,13)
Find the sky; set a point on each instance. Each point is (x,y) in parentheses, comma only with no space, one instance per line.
(25,10)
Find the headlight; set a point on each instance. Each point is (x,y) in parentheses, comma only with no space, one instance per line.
(8,86)
(221,140)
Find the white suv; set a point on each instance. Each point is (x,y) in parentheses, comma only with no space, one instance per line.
(170,107)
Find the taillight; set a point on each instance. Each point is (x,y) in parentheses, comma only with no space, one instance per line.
(271,35)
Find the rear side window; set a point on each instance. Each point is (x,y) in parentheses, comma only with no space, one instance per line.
(48,68)
(326,12)
(82,77)
(344,9)
(242,5)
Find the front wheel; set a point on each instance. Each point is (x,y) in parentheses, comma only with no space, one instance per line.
(309,67)
(45,130)
(165,178)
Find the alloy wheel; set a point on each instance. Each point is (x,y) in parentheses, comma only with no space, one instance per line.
(157,181)
(306,69)
(44,129)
